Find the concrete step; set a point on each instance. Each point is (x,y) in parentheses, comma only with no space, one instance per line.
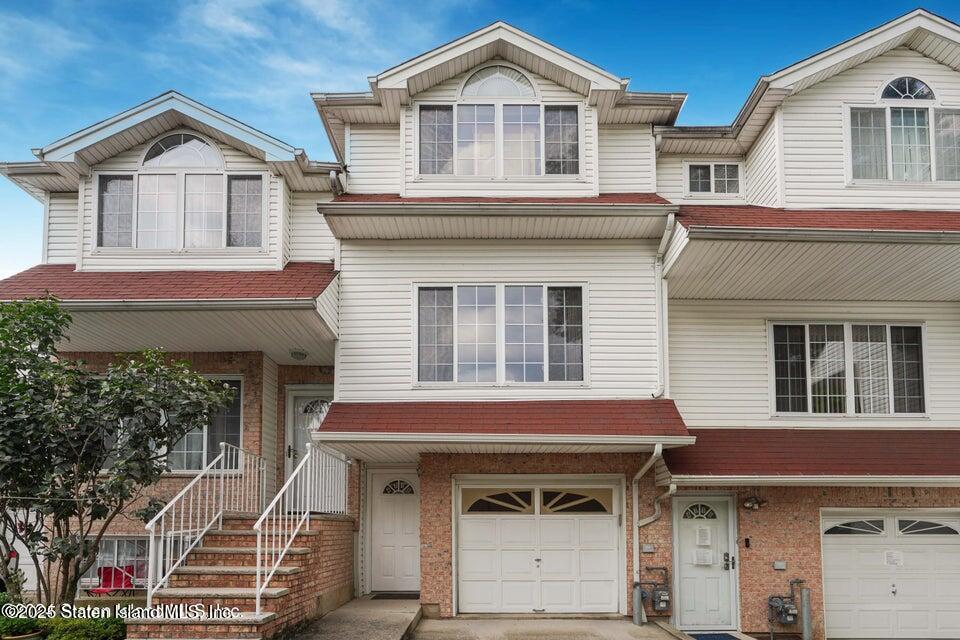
(232,576)
(198,593)
(248,626)
(243,556)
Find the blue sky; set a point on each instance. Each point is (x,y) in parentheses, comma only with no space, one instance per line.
(65,65)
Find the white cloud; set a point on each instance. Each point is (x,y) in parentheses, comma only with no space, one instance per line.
(28,45)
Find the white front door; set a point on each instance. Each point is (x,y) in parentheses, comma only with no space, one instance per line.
(891,574)
(705,563)
(306,407)
(538,550)
(395,526)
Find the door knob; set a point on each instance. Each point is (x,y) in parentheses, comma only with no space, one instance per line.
(893,589)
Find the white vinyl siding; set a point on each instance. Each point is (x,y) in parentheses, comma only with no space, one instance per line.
(672,172)
(627,159)
(720,372)
(235,162)
(310,237)
(762,164)
(816,137)
(539,185)
(378,283)
(374,159)
(61,232)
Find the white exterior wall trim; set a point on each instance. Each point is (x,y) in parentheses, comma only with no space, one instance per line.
(506,438)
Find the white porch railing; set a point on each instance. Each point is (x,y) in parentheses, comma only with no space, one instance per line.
(317,485)
(233,481)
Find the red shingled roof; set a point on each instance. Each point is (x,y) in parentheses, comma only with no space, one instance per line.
(297,280)
(548,417)
(848,219)
(606,198)
(817,452)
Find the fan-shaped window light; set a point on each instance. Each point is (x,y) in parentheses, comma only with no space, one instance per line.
(182,150)
(398,487)
(699,511)
(498,81)
(856,527)
(907,88)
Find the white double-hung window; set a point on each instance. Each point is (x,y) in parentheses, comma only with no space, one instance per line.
(500,334)
(498,128)
(908,136)
(847,368)
(180,199)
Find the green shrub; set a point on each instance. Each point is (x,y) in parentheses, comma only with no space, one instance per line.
(75,629)
(17,626)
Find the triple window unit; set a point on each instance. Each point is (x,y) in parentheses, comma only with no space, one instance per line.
(909,138)
(180,199)
(498,130)
(500,334)
(848,368)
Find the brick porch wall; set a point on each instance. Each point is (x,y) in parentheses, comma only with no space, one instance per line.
(247,364)
(436,474)
(788,528)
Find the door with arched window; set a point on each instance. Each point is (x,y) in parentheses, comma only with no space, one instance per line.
(395,531)
(705,563)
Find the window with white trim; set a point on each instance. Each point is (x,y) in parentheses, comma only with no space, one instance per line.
(182,198)
(500,334)
(713,178)
(499,129)
(848,368)
(200,446)
(121,564)
(908,137)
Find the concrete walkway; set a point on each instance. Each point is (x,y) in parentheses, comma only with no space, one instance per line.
(365,619)
(536,629)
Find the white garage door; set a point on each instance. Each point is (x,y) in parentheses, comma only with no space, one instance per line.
(538,550)
(892,575)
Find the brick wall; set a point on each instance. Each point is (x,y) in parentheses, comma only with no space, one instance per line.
(788,528)
(436,471)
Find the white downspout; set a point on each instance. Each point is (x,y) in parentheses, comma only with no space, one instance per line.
(660,305)
(634,491)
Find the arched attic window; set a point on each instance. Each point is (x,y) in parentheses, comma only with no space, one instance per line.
(903,142)
(498,129)
(182,150)
(498,81)
(907,88)
(181,198)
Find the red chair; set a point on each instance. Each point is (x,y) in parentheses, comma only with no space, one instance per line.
(113,581)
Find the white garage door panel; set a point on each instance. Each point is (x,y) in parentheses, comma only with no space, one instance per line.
(892,584)
(532,562)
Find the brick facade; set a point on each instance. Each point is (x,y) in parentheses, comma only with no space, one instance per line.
(436,474)
(786,528)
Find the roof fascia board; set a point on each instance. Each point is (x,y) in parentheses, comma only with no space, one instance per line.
(396,77)
(896,28)
(506,438)
(778,234)
(64,150)
(815,481)
(238,304)
(501,209)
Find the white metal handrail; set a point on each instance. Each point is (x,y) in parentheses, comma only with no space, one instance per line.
(317,485)
(233,481)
